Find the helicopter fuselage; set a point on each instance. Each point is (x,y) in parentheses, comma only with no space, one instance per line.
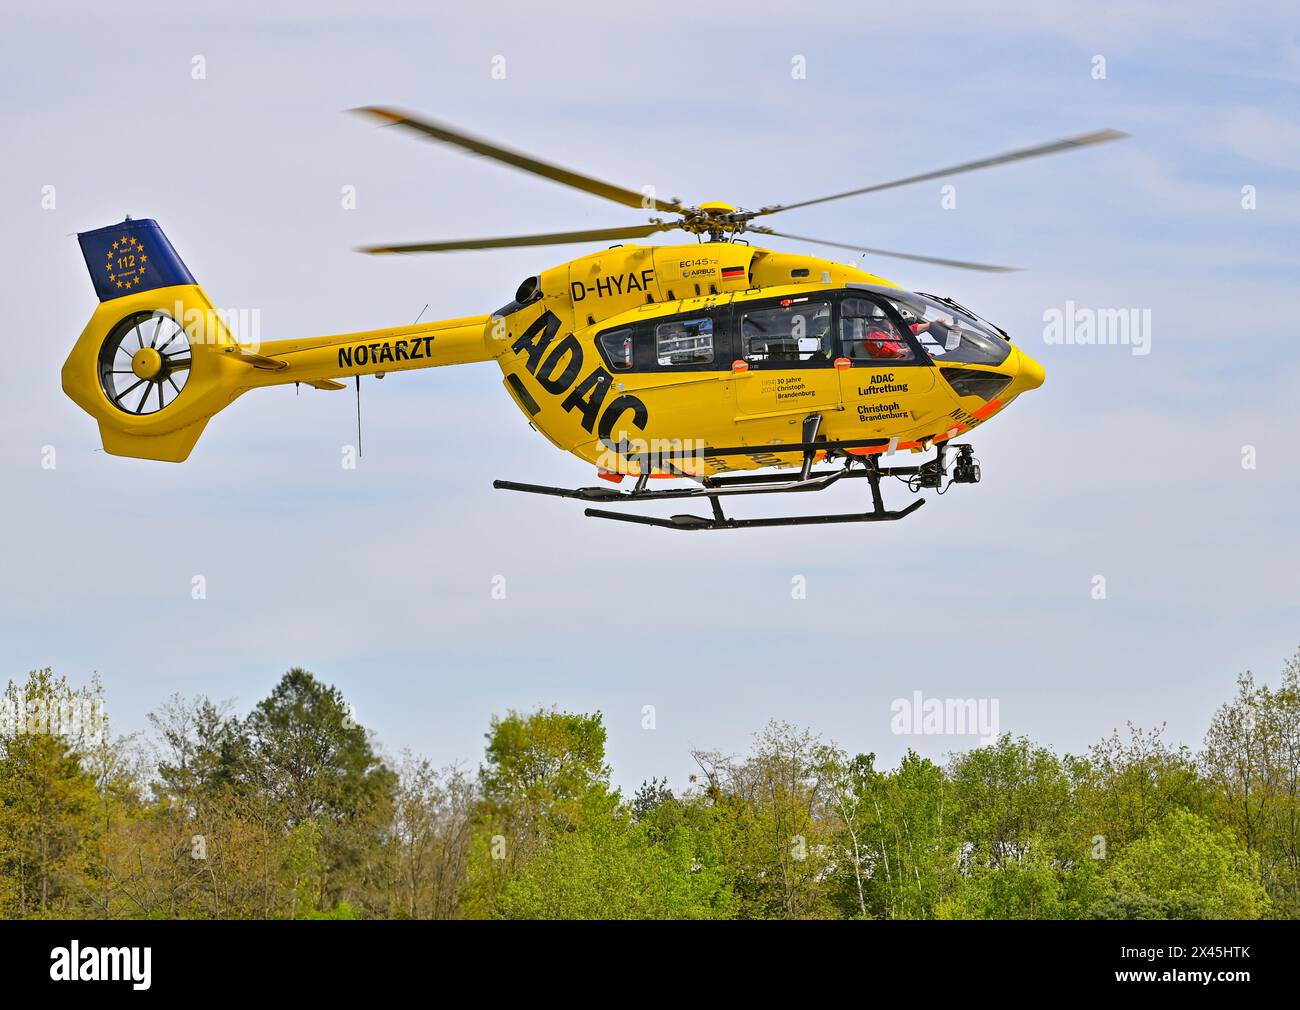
(638,355)
(639,359)
(669,360)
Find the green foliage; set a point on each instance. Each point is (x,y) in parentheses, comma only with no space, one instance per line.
(1007,795)
(1252,765)
(547,769)
(919,849)
(1029,886)
(290,812)
(618,869)
(48,799)
(1184,863)
(771,825)
(895,852)
(1122,786)
(545,776)
(1140,906)
(427,850)
(340,911)
(650,797)
(302,747)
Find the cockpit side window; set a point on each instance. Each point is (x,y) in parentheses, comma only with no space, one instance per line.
(791,332)
(868,334)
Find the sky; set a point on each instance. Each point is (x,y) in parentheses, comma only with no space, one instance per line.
(1172,475)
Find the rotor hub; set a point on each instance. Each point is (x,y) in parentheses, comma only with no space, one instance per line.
(146,363)
(715,218)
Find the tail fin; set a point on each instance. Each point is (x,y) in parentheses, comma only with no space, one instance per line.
(157,360)
(131,258)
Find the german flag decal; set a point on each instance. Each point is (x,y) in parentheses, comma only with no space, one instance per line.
(732,273)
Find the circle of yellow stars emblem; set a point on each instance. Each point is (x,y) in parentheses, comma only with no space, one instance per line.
(126,262)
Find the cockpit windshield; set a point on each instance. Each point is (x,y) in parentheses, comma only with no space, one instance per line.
(947,331)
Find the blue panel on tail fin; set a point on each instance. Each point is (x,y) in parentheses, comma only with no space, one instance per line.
(130,257)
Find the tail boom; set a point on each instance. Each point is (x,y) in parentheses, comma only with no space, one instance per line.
(139,279)
(375,352)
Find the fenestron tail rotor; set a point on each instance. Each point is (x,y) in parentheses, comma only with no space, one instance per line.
(144,363)
(719,221)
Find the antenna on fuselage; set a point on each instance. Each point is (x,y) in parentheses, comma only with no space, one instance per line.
(358,379)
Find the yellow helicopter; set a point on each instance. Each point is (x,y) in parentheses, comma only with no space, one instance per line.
(729,368)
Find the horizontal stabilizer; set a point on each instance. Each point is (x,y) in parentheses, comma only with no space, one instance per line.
(256,360)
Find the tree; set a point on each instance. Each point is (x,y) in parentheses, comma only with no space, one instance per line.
(309,757)
(848,784)
(201,749)
(546,768)
(915,844)
(430,841)
(544,776)
(1013,813)
(1008,797)
(1029,886)
(650,797)
(1186,865)
(291,812)
(616,870)
(48,800)
(1124,786)
(772,823)
(306,750)
(1252,757)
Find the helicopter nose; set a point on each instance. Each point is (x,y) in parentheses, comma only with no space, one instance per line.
(1030,374)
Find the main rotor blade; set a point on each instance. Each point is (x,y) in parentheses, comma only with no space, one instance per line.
(1068,144)
(959,264)
(554,238)
(564,176)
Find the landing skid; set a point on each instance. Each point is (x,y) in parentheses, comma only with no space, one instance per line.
(694,522)
(715,489)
